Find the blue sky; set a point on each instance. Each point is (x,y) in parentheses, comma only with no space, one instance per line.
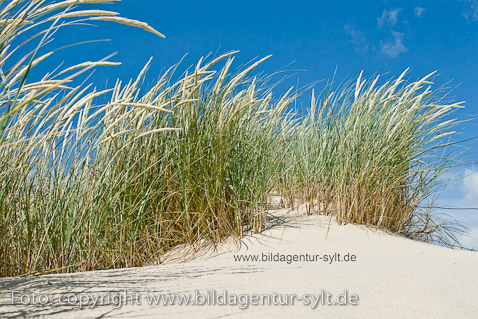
(320,37)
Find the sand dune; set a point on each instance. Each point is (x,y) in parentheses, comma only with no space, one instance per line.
(390,277)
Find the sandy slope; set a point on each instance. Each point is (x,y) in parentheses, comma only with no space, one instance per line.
(392,277)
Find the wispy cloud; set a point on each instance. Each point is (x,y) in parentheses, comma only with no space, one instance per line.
(396,47)
(419,11)
(389,17)
(470,200)
(470,186)
(471,9)
(470,239)
(358,38)
(459,195)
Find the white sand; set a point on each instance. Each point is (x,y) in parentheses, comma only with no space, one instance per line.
(393,277)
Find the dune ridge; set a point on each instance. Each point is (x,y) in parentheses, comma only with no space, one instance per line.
(392,277)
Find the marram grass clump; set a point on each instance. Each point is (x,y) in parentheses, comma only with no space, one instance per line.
(373,154)
(194,160)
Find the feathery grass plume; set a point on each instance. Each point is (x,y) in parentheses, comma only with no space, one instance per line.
(68,3)
(84,13)
(131,22)
(88,64)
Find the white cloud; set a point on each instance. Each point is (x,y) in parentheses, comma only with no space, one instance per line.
(358,38)
(460,198)
(389,17)
(470,240)
(419,11)
(396,47)
(469,199)
(471,9)
(470,186)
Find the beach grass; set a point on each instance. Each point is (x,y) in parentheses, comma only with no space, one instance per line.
(194,159)
(373,154)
